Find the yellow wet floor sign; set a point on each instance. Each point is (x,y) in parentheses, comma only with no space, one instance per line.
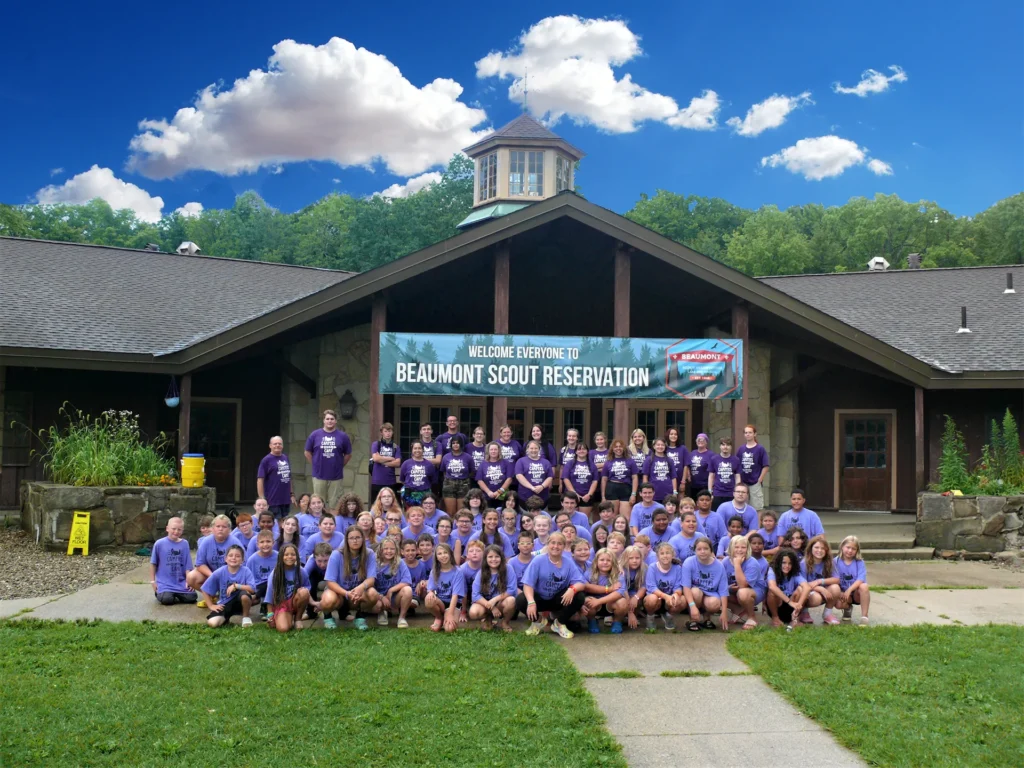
(79,533)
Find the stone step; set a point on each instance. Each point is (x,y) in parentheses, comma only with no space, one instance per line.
(912,553)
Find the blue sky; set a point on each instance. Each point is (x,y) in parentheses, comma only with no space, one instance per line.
(334,118)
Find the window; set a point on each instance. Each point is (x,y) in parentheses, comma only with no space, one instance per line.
(572,418)
(516,173)
(535,171)
(437,418)
(610,426)
(865,444)
(408,426)
(676,419)
(469,419)
(546,418)
(647,420)
(487,176)
(517,421)
(16,429)
(563,173)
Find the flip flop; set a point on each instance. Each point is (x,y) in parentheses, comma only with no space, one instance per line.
(750,624)
(707,624)
(693,626)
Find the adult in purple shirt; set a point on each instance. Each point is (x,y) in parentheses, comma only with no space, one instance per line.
(511,450)
(417,476)
(699,467)
(494,476)
(680,456)
(458,472)
(444,440)
(800,516)
(274,479)
(547,450)
(477,449)
(738,506)
(385,458)
(534,474)
(724,472)
(753,466)
(580,476)
(169,561)
(619,478)
(659,471)
(329,450)
(553,583)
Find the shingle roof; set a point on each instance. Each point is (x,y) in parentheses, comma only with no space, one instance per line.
(70,296)
(918,312)
(524,127)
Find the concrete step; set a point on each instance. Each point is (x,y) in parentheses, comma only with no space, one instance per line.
(912,553)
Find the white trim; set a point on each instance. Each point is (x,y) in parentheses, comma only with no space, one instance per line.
(238,435)
(893,449)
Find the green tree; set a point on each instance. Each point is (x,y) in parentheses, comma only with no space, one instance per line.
(13,222)
(769,243)
(701,223)
(953,460)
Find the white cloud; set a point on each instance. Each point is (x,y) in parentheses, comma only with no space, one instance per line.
(770,113)
(336,181)
(879,167)
(571,61)
(332,102)
(190,210)
(822,157)
(56,171)
(411,186)
(873,81)
(102,183)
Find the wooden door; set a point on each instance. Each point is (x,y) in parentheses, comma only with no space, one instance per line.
(865,461)
(212,433)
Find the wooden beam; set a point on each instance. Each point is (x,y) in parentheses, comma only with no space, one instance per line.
(502,271)
(919,446)
(799,380)
(740,408)
(827,354)
(620,315)
(184,414)
(378,324)
(596,420)
(296,374)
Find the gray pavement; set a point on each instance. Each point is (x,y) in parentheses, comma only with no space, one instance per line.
(950,573)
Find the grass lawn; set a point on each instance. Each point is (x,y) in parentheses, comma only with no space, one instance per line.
(903,696)
(148,694)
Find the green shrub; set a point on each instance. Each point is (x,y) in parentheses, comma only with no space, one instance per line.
(106,450)
(1000,470)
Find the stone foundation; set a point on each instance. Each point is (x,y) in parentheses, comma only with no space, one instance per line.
(971,524)
(119,515)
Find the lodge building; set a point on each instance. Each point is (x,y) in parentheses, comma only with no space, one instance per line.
(847,376)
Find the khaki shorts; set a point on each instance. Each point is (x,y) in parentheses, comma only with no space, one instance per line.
(756,499)
(329,491)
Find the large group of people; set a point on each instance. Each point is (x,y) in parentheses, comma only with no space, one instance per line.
(466,530)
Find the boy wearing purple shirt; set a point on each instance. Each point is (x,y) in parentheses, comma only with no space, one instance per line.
(385,470)
(328,449)
(274,479)
(708,522)
(724,471)
(232,585)
(753,465)
(169,562)
(444,440)
(799,516)
(659,530)
(738,507)
(643,511)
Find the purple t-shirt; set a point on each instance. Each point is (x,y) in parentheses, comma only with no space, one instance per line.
(417,572)
(389,576)
(752,461)
(519,567)
(660,472)
(503,541)
(478,453)
(805,518)
(536,471)
(849,572)
(640,459)
(444,441)
(385,475)
(664,582)
(771,538)
(172,560)
(417,475)
(237,537)
(579,476)
(632,580)
(329,450)
(727,511)
(307,547)
(486,592)
(709,578)
(754,574)
(409,533)
(620,470)
(603,581)
(598,457)
(276,472)
(261,567)
(683,545)
(350,580)
(726,473)
(640,517)
(431,449)
(655,537)
(211,553)
(222,578)
(700,467)
(294,578)
(308,524)
(548,580)
(457,467)
(817,572)
(494,474)
(567,454)
(712,527)
(680,457)
(510,451)
(446,584)
(789,584)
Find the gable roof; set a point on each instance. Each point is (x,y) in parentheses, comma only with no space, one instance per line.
(74,298)
(918,311)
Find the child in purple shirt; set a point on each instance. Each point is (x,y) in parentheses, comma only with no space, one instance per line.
(853,580)
(664,588)
(787,589)
(724,473)
(705,587)
(169,561)
(660,471)
(229,590)
(494,589)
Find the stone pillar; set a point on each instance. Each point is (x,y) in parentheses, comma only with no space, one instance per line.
(620,314)
(502,269)
(741,331)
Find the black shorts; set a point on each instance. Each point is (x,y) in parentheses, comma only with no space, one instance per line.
(785,613)
(233,607)
(261,591)
(618,491)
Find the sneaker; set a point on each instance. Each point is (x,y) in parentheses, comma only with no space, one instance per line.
(560,630)
(847,614)
(650,622)
(608,621)
(864,621)
(594,626)
(534,629)
(360,624)
(402,623)
(382,619)
(329,623)
(805,617)
(269,617)
(832,620)
(670,622)
(200,603)
(616,627)
(246,622)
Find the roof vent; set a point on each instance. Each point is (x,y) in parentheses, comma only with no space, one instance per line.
(152,247)
(878,264)
(188,248)
(963,321)
(1009,283)
(914,261)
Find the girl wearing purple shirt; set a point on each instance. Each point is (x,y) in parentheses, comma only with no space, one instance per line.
(664,588)
(288,593)
(511,450)
(724,473)
(386,458)
(547,449)
(853,580)
(580,475)
(490,534)
(417,476)
(458,471)
(551,583)
(817,568)
(660,472)
(494,591)
(494,476)
(705,588)
(325,533)
(445,587)
(606,593)
(684,541)
(638,449)
(634,580)
(680,457)
(393,583)
(350,577)
(699,467)
(619,478)
(534,474)
(600,453)
(477,450)
(747,587)
(288,533)
(787,589)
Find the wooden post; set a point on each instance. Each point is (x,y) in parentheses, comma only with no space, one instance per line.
(378,323)
(620,313)
(919,446)
(597,417)
(184,414)
(502,268)
(741,331)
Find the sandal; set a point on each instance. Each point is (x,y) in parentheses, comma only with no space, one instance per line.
(693,626)
(436,626)
(707,624)
(750,624)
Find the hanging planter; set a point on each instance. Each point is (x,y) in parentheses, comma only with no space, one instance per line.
(173,398)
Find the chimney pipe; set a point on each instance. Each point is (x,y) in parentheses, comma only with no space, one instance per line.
(963,321)
(1009,283)
(914,261)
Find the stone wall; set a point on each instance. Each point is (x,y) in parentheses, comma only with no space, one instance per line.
(785,431)
(970,523)
(337,362)
(119,515)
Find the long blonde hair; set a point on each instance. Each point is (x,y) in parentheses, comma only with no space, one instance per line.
(645,449)
(613,574)
(851,540)
(639,577)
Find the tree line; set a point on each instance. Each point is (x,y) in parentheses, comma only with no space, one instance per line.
(340,231)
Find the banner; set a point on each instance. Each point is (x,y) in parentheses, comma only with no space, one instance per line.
(560,366)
